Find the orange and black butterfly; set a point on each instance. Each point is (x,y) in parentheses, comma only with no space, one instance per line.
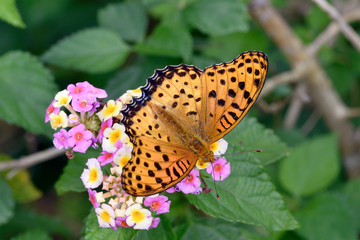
(181,112)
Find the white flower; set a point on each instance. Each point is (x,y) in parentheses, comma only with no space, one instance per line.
(58,120)
(93,176)
(112,135)
(127,97)
(105,215)
(73,119)
(112,109)
(201,164)
(122,156)
(62,98)
(138,217)
(219,147)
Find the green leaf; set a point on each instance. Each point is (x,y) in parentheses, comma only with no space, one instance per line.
(10,14)
(207,228)
(93,51)
(37,234)
(94,232)
(22,188)
(128,19)
(70,179)
(162,231)
(6,202)
(311,167)
(218,17)
(246,196)
(351,192)
(135,75)
(249,135)
(125,79)
(326,218)
(227,47)
(168,41)
(26,90)
(25,219)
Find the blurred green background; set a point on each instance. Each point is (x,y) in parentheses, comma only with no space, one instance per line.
(116,45)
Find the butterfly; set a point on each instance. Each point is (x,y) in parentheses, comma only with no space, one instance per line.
(181,112)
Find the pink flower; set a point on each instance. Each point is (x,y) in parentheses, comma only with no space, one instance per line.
(191,183)
(51,109)
(121,221)
(104,125)
(219,170)
(105,158)
(172,190)
(80,138)
(92,198)
(83,103)
(97,92)
(160,204)
(61,139)
(95,104)
(82,88)
(155,222)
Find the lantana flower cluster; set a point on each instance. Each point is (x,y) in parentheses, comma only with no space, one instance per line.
(85,121)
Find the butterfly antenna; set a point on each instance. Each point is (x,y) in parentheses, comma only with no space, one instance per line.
(229,154)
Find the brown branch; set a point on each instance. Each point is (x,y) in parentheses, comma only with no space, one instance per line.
(297,102)
(331,31)
(310,122)
(33,159)
(348,32)
(325,98)
(271,108)
(292,76)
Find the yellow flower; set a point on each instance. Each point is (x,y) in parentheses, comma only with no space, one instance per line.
(112,109)
(105,215)
(58,120)
(138,217)
(62,98)
(219,147)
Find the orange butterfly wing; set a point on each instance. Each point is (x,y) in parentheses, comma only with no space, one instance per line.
(230,90)
(182,103)
(160,157)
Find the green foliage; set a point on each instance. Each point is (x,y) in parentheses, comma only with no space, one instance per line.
(24,220)
(218,17)
(33,234)
(205,228)
(351,193)
(128,19)
(311,167)
(22,188)
(251,136)
(167,41)
(70,179)
(94,51)
(247,196)
(326,217)
(9,13)
(26,90)
(7,202)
